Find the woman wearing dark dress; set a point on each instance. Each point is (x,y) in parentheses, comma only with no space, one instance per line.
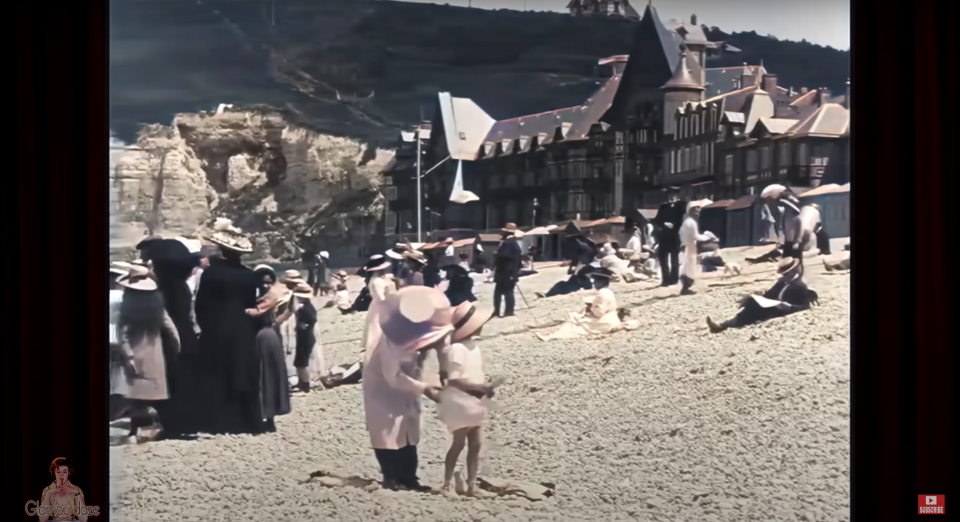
(224,376)
(306,336)
(274,392)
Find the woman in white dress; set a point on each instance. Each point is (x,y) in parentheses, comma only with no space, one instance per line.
(689,236)
(381,285)
(600,315)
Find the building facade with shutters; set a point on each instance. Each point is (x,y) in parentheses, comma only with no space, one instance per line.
(661,117)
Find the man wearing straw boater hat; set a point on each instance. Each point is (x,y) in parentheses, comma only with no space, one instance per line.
(306,337)
(506,271)
(788,295)
(413,320)
(228,366)
(669,217)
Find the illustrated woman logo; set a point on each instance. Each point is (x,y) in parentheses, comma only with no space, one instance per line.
(61,500)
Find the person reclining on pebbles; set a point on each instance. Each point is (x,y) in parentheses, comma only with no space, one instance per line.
(600,316)
(837,266)
(789,295)
(618,265)
(576,282)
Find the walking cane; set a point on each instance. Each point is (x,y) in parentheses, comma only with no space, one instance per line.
(525,303)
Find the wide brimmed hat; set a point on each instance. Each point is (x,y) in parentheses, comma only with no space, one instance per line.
(772,191)
(509,228)
(303,290)
(324,254)
(275,296)
(231,241)
(292,277)
(193,245)
(138,278)
(468,318)
(694,204)
(120,268)
(381,264)
(394,254)
(265,268)
(413,255)
(788,264)
(416,317)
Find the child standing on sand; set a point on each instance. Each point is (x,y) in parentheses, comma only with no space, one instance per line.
(463,401)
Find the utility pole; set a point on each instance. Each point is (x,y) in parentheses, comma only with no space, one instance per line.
(419,196)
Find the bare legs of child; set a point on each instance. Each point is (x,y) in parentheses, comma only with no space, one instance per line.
(473,439)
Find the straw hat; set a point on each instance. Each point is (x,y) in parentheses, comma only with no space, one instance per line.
(694,205)
(509,228)
(788,264)
(416,317)
(138,278)
(303,290)
(468,318)
(231,241)
(394,254)
(324,254)
(607,249)
(772,191)
(415,256)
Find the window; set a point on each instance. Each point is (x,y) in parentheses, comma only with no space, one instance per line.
(390,223)
(388,180)
(752,161)
(695,123)
(728,164)
(697,158)
(783,154)
(390,193)
(673,162)
(766,157)
(804,154)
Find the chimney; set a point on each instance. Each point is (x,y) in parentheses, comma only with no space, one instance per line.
(846,101)
(823,96)
(693,19)
(747,79)
(770,82)
(804,90)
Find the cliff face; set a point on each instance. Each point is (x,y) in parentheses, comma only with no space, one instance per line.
(281,183)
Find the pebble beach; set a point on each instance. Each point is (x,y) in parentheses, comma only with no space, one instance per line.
(662,422)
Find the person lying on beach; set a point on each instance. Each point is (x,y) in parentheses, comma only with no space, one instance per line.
(599,316)
(610,260)
(464,398)
(576,282)
(789,295)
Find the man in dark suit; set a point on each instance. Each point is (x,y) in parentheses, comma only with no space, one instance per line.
(506,269)
(789,295)
(669,218)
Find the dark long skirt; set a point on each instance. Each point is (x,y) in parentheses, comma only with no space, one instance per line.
(399,467)
(274,388)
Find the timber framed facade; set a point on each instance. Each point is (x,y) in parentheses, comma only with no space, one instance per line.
(662,117)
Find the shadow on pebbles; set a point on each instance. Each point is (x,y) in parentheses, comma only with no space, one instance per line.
(665,422)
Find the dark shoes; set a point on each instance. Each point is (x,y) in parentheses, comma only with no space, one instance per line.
(714,327)
(688,291)
(416,487)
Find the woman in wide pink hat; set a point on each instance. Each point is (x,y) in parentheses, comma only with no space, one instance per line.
(413,320)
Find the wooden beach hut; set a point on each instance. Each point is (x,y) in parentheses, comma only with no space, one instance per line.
(743,222)
(713,217)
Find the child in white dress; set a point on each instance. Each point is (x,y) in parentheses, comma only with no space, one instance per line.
(466,393)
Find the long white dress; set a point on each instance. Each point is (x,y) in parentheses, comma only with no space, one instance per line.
(689,235)
(380,289)
(600,318)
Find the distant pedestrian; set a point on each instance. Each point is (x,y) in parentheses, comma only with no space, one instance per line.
(690,236)
(306,337)
(668,220)
(507,264)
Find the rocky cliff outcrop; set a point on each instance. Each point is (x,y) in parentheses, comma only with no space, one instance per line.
(283,184)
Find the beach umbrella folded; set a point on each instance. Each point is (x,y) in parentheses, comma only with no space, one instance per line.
(458,195)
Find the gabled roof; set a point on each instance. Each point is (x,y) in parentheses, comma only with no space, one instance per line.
(533,124)
(805,99)
(829,121)
(821,190)
(758,105)
(593,109)
(773,126)
(692,34)
(465,126)
(742,202)
(720,79)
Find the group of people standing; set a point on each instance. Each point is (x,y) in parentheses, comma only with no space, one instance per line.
(196,340)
